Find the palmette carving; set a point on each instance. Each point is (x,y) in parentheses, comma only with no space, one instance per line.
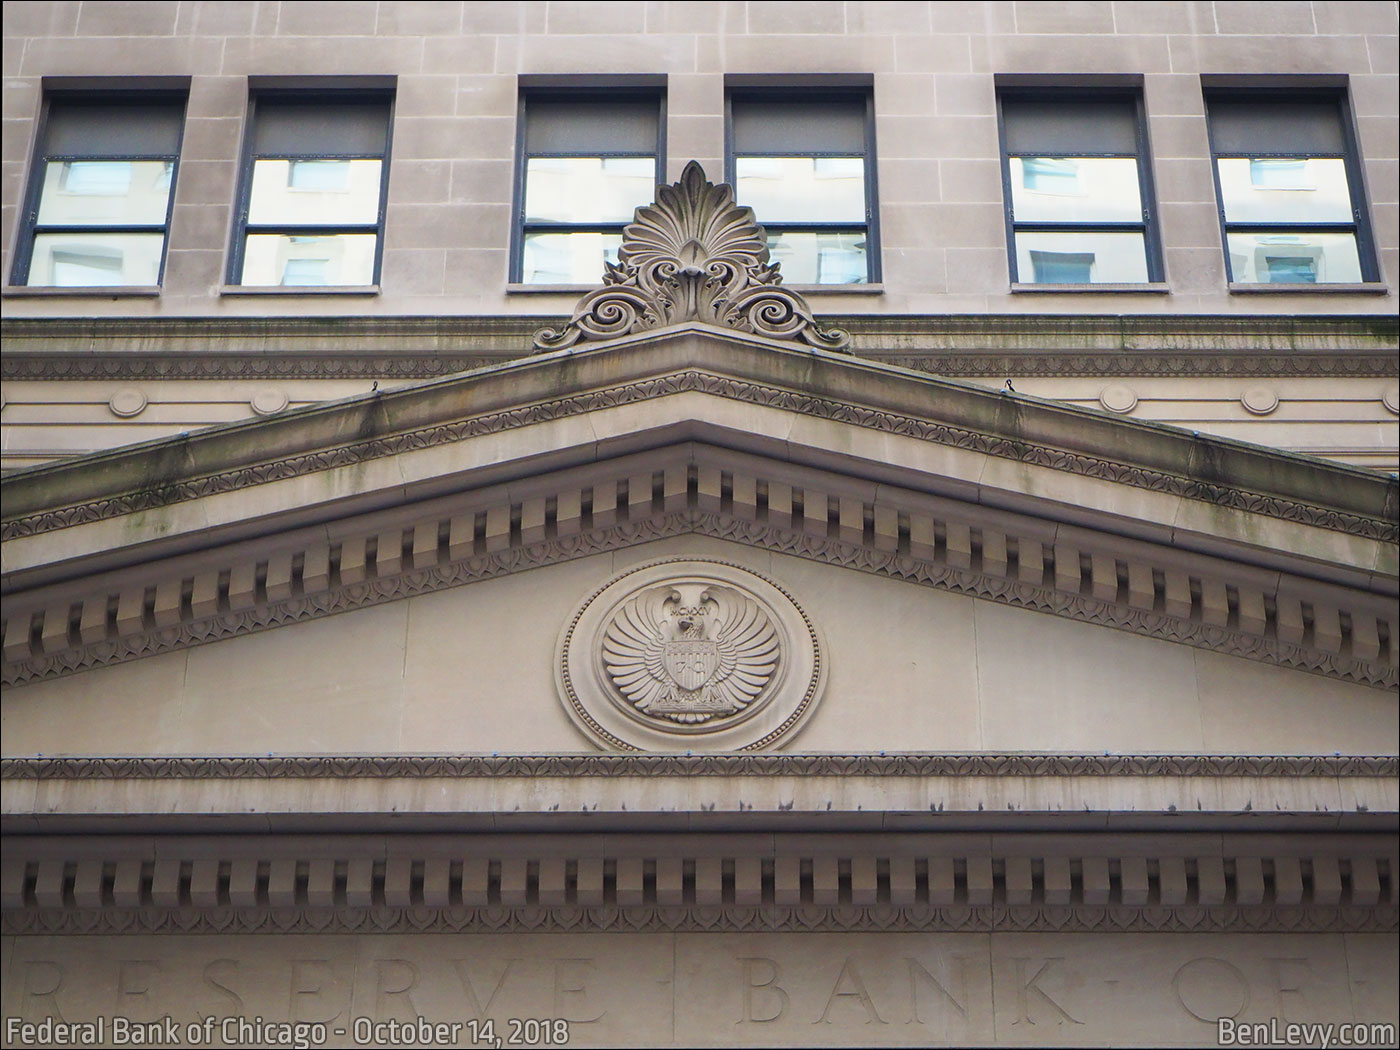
(694,255)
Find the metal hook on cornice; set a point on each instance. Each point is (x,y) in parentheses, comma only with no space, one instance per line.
(693,256)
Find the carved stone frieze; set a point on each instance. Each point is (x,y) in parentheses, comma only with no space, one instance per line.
(692,256)
(1041,595)
(878,918)
(899,764)
(698,654)
(1124,881)
(29,366)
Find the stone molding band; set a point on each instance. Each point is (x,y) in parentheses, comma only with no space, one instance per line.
(909,882)
(708,919)
(894,764)
(1142,588)
(949,345)
(726,387)
(291,365)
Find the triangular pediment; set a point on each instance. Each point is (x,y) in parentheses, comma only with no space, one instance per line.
(689,430)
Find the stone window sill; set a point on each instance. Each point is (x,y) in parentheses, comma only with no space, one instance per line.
(1147,288)
(1365,288)
(125,291)
(299,289)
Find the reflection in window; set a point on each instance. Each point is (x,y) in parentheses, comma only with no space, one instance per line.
(1291,269)
(1078,188)
(587,190)
(819,257)
(568,258)
(100,194)
(1268,258)
(1051,175)
(801,189)
(312,196)
(1276,174)
(802,161)
(1062,267)
(1290,199)
(327,176)
(588,162)
(98,259)
(304,271)
(98,178)
(87,265)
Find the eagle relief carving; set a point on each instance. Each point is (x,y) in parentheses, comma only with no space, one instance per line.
(691,653)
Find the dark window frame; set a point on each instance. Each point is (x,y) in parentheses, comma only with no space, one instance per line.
(814,88)
(546,88)
(1329,89)
(115,92)
(1083,89)
(341,91)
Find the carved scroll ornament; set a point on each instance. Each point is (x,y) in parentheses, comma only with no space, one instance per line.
(694,255)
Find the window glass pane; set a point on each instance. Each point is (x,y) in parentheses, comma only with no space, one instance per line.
(588,189)
(802,189)
(345,259)
(1285,190)
(568,258)
(104,193)
(820,257)
(1297,257)
(315,192)
(1081,258)
(1075,189)
(77,260)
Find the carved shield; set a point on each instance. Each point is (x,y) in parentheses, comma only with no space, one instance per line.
(691,663)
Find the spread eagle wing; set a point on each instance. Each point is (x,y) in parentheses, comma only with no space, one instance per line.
(748,649)
(632,648)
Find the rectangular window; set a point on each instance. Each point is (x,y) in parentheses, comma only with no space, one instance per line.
(313,192)
(802,159)
(101,191)
(1077,187)
(589,158)
(1289,186)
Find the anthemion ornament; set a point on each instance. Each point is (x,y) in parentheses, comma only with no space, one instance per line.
(693,256)
(691,655)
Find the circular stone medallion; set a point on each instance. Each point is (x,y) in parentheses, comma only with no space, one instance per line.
(689,655)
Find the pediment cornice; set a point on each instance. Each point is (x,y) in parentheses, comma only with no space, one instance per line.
(694,357)
(1130,525)
(695,489)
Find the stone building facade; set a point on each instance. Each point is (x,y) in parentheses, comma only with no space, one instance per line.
(439,593)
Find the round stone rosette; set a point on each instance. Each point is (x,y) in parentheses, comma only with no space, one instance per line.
(690,655)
